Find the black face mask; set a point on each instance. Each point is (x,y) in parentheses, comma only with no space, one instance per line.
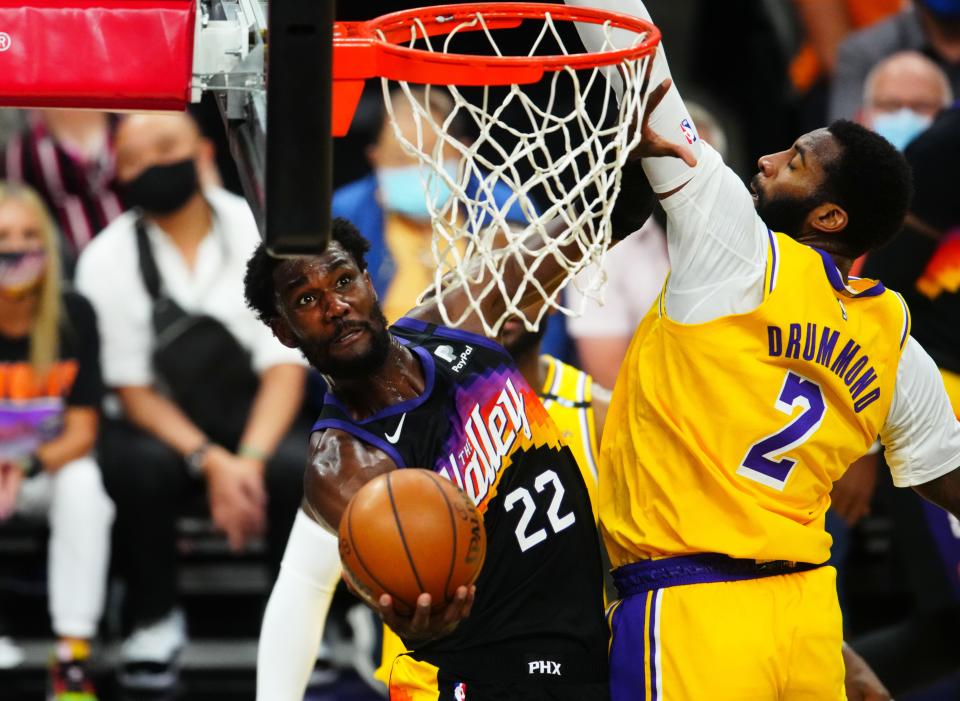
(162,189)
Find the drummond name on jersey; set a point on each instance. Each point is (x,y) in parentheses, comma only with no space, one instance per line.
(824,346)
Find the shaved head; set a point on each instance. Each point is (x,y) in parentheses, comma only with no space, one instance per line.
(907,79)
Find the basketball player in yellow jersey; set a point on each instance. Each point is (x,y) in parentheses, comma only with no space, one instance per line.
(762,372)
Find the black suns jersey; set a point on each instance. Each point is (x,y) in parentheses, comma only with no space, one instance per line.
(479,424)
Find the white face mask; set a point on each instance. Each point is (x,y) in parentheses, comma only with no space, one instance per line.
(402,189)
(900,127)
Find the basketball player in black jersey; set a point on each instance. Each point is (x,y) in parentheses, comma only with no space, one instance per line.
(423,395)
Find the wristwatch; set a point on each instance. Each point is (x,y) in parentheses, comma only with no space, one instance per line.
(31,466)
(194,459)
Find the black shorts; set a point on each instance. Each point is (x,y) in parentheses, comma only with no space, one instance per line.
(501,674)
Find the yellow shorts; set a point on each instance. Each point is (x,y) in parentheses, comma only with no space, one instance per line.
(391,649)
(410,680)
(774,638)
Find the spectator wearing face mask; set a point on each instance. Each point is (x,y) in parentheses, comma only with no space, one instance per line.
(902,95)
(220,419)
(50,391)
(67,157)
(931,27)
(390,206)
(923,263)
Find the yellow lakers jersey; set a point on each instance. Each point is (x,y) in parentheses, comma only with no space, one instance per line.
(567,394)
(726,436)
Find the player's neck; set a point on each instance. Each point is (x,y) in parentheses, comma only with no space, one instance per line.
(399,379)
(529,365)
(827,244)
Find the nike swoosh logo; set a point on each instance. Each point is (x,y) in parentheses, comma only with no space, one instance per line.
(396,434)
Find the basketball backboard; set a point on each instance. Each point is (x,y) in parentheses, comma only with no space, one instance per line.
(174,50)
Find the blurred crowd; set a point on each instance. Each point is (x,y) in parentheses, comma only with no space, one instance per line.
(122,255)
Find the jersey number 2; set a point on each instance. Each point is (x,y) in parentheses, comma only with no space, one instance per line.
(760,463)
(557,522)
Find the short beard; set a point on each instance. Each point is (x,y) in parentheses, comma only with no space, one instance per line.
(361,365)
(787,214)
(527,341)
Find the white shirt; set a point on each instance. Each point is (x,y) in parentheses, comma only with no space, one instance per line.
(718,246)
(108,273)
(635,275)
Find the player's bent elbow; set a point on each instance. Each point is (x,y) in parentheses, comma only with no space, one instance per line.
(944,491)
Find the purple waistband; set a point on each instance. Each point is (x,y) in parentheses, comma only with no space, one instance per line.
(704,568)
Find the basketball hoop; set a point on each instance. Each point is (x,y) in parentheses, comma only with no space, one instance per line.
(474,234)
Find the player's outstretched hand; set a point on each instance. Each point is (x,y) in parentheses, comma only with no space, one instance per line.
(423,625)
(652,145)
(862,684)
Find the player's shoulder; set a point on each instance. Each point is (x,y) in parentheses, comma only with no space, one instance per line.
(333,449)
(455,349)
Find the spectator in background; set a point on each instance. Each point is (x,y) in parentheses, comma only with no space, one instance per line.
(902,95)
(390,205)
(67,156)
(931,27)
(160,455)
(49,410)
(635,276)
(923,263)
(825,24)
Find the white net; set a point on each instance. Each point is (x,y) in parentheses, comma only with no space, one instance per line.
(537,156)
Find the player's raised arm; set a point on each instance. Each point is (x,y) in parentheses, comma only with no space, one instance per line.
(716,240)
(631,210)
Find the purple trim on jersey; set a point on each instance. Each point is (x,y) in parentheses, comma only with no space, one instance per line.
(429,371)
(627,671)
(363,435)
(774,263)
(703,568)
(906,319)
(836,279)
(446,332)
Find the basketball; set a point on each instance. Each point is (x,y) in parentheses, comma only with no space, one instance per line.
(411,531)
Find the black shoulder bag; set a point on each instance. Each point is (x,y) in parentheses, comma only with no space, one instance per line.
(198,362)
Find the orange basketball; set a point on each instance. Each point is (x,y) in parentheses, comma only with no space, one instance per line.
(410,531)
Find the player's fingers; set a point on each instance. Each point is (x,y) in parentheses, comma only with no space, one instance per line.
(385,609)
(471,596)
(646,77)
(684,154)
(421,616)
(454,610)
(656,97)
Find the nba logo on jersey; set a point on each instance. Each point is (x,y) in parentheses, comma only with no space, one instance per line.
(460,692)
(688,131)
